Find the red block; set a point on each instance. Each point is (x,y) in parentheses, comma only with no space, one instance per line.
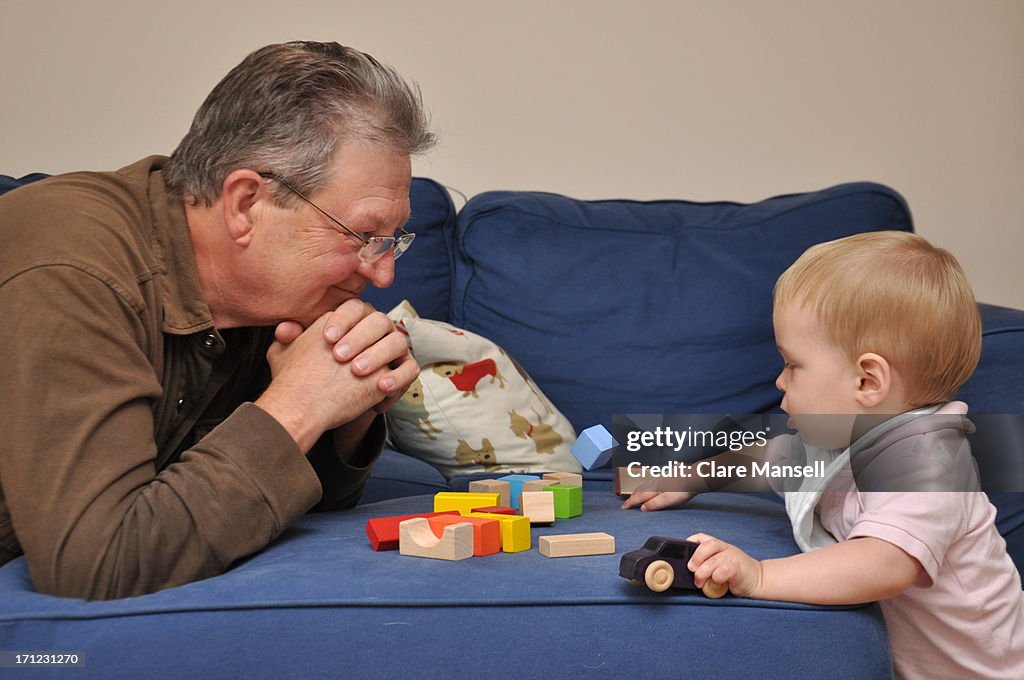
(496,510)
(383,531)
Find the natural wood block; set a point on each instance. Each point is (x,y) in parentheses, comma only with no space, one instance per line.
(626,484)
(538,485)
(383,531)
(539,506)
(565,478)
(486,532)
(575,545)
(492,486)
(417,539)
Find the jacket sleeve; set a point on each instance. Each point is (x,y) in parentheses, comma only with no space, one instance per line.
(344,478)
(77,457)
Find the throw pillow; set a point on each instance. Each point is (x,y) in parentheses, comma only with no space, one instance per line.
(473,408)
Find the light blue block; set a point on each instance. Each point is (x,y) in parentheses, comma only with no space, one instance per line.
(515,486)
(594,447)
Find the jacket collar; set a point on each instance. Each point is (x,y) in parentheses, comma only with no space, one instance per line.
(185,310)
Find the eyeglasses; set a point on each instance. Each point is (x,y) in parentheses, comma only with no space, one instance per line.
(374,247)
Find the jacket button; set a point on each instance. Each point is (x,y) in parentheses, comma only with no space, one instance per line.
(209,341)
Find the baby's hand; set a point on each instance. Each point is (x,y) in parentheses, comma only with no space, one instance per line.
(723,563)
(656,500)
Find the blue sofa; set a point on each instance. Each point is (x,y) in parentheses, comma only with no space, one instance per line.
(613,307)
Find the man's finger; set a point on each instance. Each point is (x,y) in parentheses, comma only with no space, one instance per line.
(396,381)
(287,331)
(344,318)
(367,334)
(390,350)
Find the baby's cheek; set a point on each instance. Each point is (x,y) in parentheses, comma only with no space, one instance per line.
(825,431)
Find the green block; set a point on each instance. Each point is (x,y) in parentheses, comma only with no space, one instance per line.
(568,500)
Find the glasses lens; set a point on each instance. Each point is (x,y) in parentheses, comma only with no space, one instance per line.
(375,247)
(402,244)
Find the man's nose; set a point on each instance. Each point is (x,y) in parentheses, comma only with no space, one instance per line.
(380,273)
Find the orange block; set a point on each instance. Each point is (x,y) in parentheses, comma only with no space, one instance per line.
(486,532)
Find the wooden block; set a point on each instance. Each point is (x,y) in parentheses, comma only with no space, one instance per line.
(463,502)
(486,532)
(417,539)
(621,482)
(497,486)
(496,510)
(568,501)
(516,482)
(565,478)
(594,447)
(626,484)
(515,531)
(574,545)
(383,531)
(537,485)
(539,506)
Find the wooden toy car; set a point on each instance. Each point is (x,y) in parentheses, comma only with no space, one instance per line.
(661,564)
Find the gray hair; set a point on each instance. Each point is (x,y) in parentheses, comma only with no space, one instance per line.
(285,109)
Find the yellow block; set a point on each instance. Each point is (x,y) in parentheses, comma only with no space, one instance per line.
(463,502)
(515,530)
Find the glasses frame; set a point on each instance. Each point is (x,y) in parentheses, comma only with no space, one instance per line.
(374,247)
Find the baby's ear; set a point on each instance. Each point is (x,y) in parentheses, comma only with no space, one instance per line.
(874,379)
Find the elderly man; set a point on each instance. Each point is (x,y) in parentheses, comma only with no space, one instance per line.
(187,367)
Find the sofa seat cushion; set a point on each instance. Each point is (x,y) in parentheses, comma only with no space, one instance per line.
(657,307)
(319,602)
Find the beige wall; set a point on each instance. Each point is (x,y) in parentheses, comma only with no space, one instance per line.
(643,99)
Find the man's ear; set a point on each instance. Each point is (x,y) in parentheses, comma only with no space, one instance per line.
(874,379)
(241,190)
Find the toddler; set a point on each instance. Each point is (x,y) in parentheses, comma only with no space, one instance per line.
(876,332)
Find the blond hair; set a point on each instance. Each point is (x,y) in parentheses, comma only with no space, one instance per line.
(894,294)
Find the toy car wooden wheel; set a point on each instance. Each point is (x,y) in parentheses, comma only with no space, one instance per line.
(714,590)
(659,576)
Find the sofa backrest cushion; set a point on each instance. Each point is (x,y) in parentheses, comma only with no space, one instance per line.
(645,307)
(997,385)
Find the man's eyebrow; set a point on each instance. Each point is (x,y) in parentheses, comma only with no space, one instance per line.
(379,223)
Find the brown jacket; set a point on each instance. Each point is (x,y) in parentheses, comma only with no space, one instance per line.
(130,457)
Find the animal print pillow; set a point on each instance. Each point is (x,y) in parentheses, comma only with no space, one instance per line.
(473,408)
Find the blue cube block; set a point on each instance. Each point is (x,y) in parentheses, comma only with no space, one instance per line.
(594,447)
(515,486)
